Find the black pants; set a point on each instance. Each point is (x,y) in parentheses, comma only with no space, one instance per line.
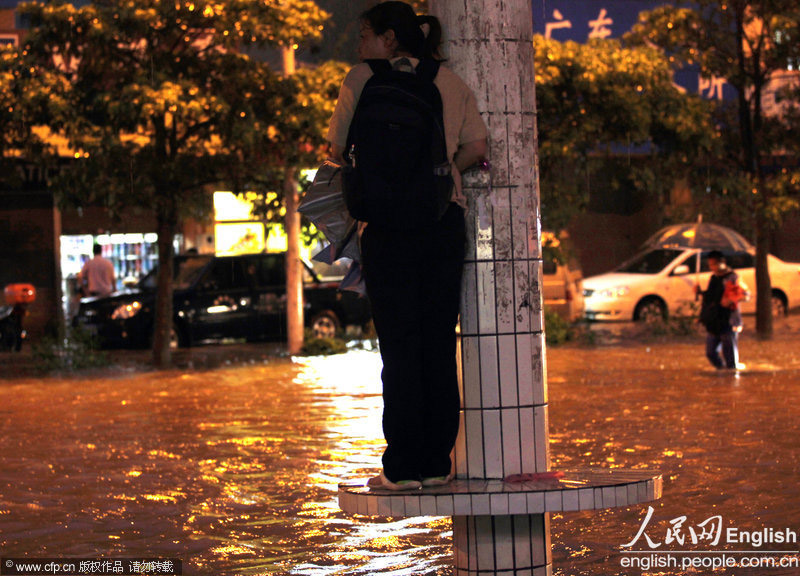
(414,283)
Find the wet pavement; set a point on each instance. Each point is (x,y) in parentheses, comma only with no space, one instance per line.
(233,468)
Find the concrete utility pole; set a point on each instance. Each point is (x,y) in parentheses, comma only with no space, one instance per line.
(490,45)
(291,221)
(503,492)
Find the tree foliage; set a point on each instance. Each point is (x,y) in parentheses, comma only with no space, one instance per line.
(31,102)
(164,100)
(612,114)
(305,128)
(750,44)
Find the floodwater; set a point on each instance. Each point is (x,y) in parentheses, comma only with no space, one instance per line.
(234,470)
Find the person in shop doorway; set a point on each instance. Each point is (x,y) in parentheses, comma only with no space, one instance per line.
(720,314)
(97,277)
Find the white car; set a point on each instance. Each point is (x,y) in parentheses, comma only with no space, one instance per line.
(661,281)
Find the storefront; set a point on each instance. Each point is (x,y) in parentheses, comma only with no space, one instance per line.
(131,244)
(133,254)
(236,230)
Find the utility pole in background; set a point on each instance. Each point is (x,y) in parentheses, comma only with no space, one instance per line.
(291,222)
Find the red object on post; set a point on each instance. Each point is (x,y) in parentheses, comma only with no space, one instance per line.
(19,294)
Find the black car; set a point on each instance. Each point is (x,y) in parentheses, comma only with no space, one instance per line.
(221,297)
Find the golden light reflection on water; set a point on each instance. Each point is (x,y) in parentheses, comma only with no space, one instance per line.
(368,545)
(171,496)
(230,550)
(163,454)
(267,462)
(235,471)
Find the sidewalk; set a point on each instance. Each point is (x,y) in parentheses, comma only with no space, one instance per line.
(211,356)
(207,357)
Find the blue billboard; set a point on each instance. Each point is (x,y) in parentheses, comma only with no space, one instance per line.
(583,20)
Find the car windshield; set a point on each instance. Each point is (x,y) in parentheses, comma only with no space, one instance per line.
(187,271)
(650,262)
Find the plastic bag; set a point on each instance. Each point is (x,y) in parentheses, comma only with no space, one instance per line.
(323,204)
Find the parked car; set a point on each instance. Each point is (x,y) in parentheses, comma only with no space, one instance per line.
(660,281)
(562,286)
(219,297)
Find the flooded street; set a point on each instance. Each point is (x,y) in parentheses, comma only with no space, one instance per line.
(727,446)
(234,470)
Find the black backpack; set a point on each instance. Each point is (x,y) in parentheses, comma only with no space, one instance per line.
(397,173)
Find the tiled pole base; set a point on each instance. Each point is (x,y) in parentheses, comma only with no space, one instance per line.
(502,528)
(516,545)
(585,489)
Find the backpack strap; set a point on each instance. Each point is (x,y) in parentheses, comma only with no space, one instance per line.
(426,70)
(379,65)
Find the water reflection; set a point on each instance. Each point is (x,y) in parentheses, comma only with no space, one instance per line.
(234,471)
(367,546)
(727,445)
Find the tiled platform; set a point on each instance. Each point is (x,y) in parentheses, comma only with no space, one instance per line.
(578,490)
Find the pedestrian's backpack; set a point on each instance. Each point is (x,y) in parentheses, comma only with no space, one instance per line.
(397,174)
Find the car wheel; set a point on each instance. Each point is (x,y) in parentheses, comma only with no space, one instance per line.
(779,306)
(650,310)
(325,325)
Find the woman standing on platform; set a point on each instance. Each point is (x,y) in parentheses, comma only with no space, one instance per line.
(413,278)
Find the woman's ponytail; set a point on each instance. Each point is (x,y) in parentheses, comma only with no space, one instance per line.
(432,29)
(419,35)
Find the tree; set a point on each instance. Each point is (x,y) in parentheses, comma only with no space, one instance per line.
(746,43)
(316,114)
(29,102)
(277,189)
(610,114)
(787,180)
(165,101)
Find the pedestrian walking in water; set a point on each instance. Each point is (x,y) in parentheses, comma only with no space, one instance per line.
(720,313)
(403,165)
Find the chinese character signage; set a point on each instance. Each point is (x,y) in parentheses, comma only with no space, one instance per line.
(583,20)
